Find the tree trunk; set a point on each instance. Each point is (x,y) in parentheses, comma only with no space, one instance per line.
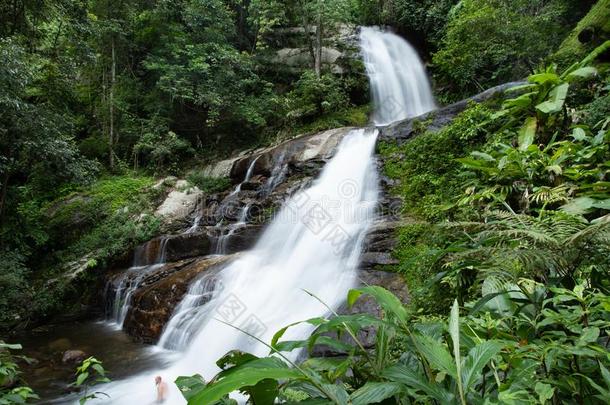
(3,194)
(111,106)
(318,57)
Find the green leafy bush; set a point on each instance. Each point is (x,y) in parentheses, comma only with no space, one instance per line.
(518,344)
(426,166)
(12,389)
(314,97)
(480,49)
(208,184)
(550,160)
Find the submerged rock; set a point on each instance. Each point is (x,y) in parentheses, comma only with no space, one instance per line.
(73,357)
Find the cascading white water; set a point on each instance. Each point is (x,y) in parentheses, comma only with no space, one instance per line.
(313,245)
(399,83)
(221,243)
(132,278)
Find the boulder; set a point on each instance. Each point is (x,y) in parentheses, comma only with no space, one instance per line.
(188,245)
(300,58)
(154,303)
(73,357)
(179,204)
(437,119)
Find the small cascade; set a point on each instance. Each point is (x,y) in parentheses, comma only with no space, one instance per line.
(278,173)
(195,225)
(247,178)
(399,83)
(226,231)
(191,310)
(147,258)
(242,220)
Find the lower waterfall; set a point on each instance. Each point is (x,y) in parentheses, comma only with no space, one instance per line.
(312,245)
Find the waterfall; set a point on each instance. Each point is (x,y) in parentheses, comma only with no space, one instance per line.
(146,259)
(312,245)
(229,230)
(398,79)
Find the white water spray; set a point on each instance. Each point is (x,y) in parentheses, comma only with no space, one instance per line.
(399,83)
(311,245)
(132,278)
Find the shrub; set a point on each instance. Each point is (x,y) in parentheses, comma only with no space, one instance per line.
(480,49)
(208,184)
(313,97)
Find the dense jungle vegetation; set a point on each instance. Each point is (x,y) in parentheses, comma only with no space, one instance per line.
(506,237)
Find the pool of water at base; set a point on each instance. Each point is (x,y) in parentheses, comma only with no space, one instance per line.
(50,378)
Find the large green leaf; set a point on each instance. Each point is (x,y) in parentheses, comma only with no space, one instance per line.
(541,78)
(336,393)
(412,379)
(375,392)
(454,331)
(436,353)
(477,359)
(246,375)
(527,133)
(388,301)
(579,206)
(557,98)
(190,386)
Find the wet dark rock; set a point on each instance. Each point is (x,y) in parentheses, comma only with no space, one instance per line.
(435,120)
(188,245)
(73,357)
(154,303)
(243,239)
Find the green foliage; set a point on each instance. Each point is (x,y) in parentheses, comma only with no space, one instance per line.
(162,150)
(14,291)
(314,97)
(12,390)
(588,34)
(480,49)
(209,185)
(422,22)
(425,166)
(568,161)
(520,348)
(90,372)
(558,248)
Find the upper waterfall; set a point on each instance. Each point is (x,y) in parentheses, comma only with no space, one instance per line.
(399,84)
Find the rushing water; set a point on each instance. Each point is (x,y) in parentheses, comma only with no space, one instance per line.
(399,84)
(312,245)
(146,259)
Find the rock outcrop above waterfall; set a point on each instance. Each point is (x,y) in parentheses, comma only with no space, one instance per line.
(437,119)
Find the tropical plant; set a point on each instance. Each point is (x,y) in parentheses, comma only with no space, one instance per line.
(556,248)
(89,373)
(12,391)
(513,347)
(553,159)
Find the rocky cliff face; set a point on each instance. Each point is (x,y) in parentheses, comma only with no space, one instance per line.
(203,226)
(206,230)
